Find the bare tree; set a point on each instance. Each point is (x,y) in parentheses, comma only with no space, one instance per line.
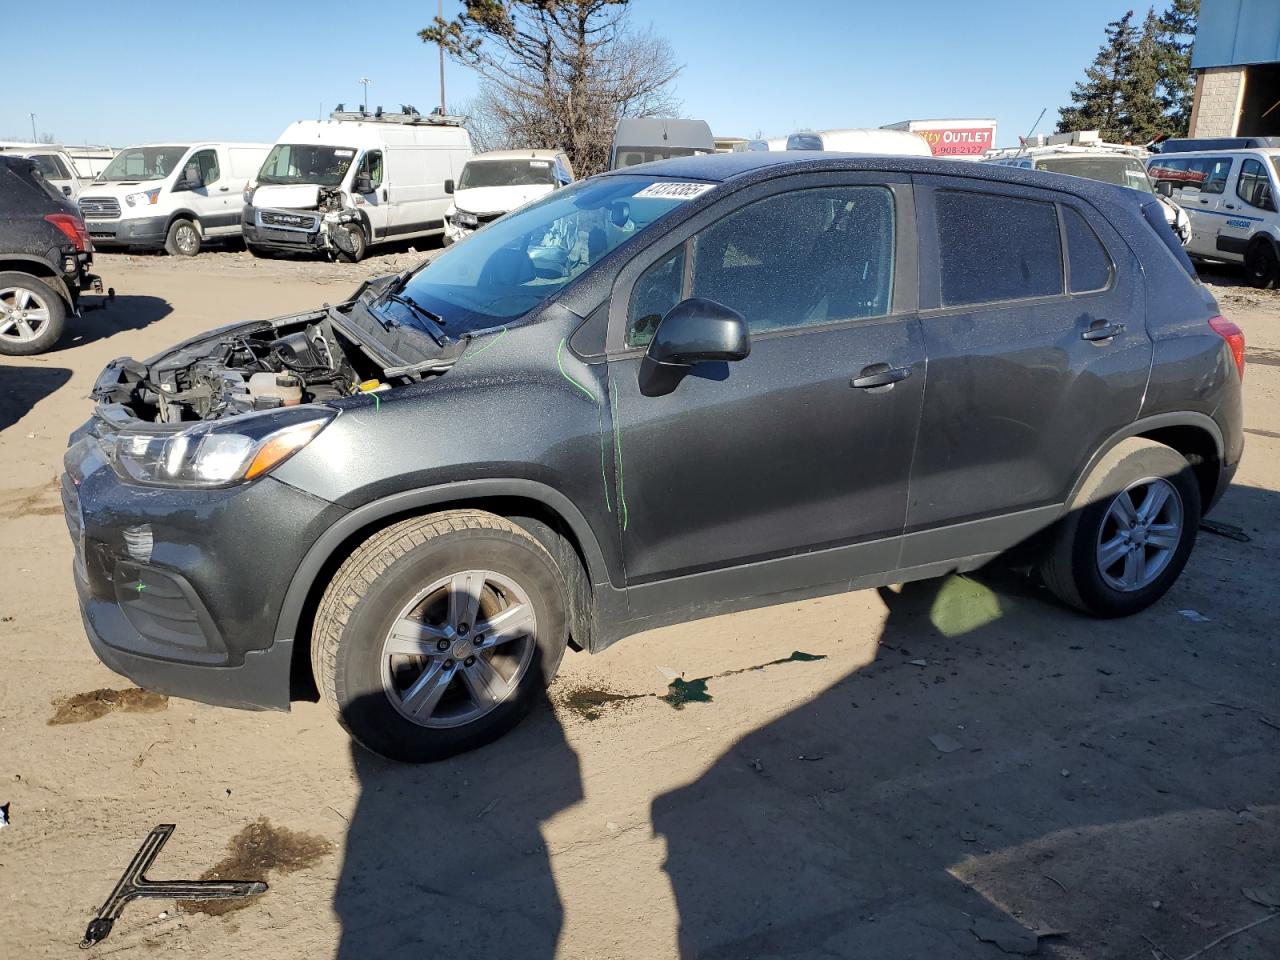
(559,73)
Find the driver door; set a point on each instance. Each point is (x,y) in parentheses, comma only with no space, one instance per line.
(792,460)
(372,203)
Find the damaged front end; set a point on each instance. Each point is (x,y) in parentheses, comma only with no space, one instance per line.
(324,222)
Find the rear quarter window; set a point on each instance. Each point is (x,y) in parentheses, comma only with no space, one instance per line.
(995,248)
(1090,264)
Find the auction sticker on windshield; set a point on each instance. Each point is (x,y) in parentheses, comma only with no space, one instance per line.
(674,191)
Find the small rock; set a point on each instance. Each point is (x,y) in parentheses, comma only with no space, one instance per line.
(945,743)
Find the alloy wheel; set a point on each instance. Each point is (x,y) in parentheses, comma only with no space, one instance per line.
(459,648)
(1140,532)
(23,314)
(187,240)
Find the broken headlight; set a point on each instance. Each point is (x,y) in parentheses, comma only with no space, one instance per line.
(464,219)
(216,453)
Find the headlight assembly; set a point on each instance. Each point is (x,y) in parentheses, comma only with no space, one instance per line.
(216,453)
(144,199)
(464,219)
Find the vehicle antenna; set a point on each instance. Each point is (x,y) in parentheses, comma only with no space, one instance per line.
(1022,146)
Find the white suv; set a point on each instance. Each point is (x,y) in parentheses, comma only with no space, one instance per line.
(1230,196)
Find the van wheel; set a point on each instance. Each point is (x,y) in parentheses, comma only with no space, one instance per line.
(1262,265)
(439,633)
(183,239)
(1129,531)
(355,236)
(32,315)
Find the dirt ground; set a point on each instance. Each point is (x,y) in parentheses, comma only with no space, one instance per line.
(958,753)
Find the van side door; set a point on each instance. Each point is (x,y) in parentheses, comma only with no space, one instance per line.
(1251,201)
(372,203)
(1033,317)
(415,185)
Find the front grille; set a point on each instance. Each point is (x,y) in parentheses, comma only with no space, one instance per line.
(99,208)
(292,221)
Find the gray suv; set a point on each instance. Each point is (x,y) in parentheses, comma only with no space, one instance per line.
(691,387)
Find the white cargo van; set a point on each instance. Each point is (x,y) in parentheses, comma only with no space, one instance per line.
(495,183)
(643,139)
(342,185)
(53,162)
(893,143)
(173,196)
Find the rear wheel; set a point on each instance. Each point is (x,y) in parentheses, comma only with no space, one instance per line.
(439,633)
(183,239)
(1262,266)
(1129,532)
(32,315)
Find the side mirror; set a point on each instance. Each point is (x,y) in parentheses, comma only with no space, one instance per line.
(191,179)
(448,186)
(66,191)
(693,331)
(362,184)
(1165,188)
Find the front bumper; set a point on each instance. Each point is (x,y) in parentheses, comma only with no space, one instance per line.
(180,590)
(134,232)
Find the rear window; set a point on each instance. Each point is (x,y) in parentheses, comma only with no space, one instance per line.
(1090,264)
(996,248)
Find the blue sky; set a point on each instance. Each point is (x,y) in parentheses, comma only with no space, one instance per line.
(241,71)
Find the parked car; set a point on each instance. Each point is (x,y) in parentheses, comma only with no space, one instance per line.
(45,258)
(1084,154)
(1230,197)
(495,183)
(711,384)
(643,140)
(342,185)
(170,196)
(869,140)
(54,164)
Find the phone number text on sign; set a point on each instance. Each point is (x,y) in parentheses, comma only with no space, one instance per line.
(959,142)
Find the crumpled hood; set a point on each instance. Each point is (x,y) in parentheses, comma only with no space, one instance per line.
(498,199)
(291,196)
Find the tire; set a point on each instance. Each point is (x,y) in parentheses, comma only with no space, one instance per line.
(32,315)
(1262,266)
(183,239)
(359,245)
(1141,568)
(408,574)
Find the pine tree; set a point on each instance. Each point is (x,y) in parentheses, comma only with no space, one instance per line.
(1177,84)
(1142,113)
(1098,100)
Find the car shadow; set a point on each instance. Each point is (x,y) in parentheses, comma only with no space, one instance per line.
(21,388)
(997,764)
(448,859)
(101,318)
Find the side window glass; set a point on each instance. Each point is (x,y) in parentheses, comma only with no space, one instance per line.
(806,257)
(1173,171)
(1090,265)
(1254,187)
(206,161)
(996,248)
(371,166)
(1216,172)
(656,292)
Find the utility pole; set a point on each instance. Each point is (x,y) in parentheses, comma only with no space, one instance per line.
(35,139)
(440,46)
(364,103)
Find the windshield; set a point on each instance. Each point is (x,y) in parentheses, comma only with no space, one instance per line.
(514,264)
(630,156)
(1122,171)
(306,163)
(142,163)
(505,173)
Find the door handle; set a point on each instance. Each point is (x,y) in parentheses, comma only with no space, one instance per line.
(384,193)
(1204,201)
(224,189)
(1229,206)
(879,375)
(1102,330)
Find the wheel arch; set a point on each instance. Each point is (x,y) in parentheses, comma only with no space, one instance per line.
(184,215)
(545,512)
(39,268)
(1194,435)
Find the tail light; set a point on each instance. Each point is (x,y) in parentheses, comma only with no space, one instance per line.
(72,226)
(1234,336)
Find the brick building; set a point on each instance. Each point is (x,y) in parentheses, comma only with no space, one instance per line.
(1237,63)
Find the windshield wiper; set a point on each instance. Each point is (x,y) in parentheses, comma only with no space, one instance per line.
(433,319)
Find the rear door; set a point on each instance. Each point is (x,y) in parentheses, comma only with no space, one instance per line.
(1033,320)
(791,450)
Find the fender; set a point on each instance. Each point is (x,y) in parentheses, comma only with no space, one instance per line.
(185,215)
(1146,425)
(47,273)
(406,501)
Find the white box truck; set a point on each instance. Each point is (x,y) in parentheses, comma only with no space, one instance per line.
(342,185)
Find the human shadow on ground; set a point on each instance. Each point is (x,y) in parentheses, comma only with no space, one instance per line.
(21,388)
(1004,759)
(101,318)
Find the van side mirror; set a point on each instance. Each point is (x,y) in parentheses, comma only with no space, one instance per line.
(362,184)
(1165,188)
(448,186)
(694,331)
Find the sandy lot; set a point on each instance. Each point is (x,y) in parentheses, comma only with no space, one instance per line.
(1117,782)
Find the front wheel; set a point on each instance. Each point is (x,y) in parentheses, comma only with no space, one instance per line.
(1262,266)
(439,633)
(1129,531)
(352,243)
(183,239)
(32,315)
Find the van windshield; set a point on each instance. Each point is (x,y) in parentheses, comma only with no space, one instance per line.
(306,163)
(511,266)
(142,163)
(1122,171)
(505,173)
